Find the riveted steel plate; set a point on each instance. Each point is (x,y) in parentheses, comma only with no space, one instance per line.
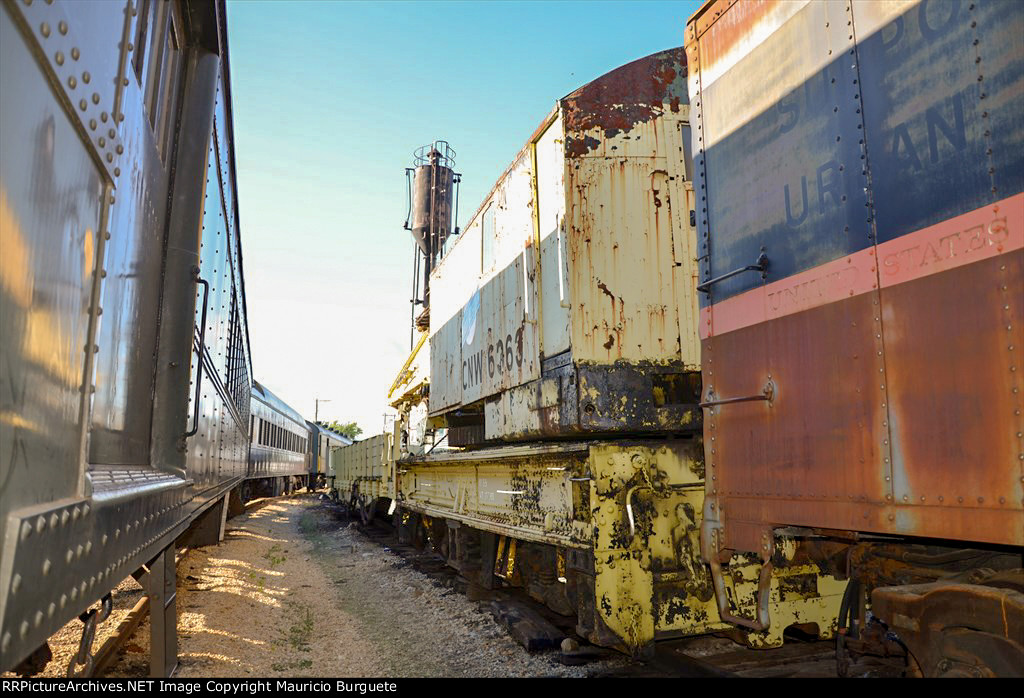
(86,63)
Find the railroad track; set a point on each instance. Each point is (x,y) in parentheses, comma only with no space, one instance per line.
(684,658)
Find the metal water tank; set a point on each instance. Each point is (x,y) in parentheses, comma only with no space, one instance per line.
(432,193)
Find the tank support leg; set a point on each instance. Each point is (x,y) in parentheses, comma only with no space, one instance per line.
(161,586)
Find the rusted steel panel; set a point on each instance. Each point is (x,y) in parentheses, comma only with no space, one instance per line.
(623,191)
(597,399)
(892,384)
(678,139)
(953,406)
(782,166)
(787,43)
(619,101)
(944,90)
(821,440)
(541,407)
(642,398)
(943,96)
(620,260)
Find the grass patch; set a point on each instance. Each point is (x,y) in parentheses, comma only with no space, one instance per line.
(274,555)
(297,637)
(308,524)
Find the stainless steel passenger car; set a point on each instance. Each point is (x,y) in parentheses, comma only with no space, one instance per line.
(280,442)
(125,377)
(322,443)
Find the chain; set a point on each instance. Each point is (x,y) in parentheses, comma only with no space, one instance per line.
(90,619)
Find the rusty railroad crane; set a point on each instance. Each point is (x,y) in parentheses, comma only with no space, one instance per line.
(550,422)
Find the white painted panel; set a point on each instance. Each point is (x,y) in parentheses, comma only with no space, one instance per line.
(445,363)
(551,215)
(513,215)
(456,278)
(501,351)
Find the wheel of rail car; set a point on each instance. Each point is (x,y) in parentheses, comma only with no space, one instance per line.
(970,653)
(439,537)
(419,533)
(367,509)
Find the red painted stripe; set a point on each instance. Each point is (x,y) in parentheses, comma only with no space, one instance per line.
(971,237)
(830,282)
(986,232)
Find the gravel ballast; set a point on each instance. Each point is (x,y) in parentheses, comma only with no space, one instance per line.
(295,592)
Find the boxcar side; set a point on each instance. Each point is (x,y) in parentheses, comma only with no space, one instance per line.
(861,221)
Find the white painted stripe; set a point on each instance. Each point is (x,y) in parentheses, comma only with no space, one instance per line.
(784,49)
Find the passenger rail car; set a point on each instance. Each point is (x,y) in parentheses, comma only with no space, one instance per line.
(279,456)
(124,385)
(323,442)
(861,222)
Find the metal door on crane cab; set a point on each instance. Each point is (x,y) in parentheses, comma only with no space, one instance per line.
(554,269)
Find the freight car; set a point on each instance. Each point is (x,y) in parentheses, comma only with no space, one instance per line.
(363,476)
(861,225)
(280,454)
(125,380)
(550,427)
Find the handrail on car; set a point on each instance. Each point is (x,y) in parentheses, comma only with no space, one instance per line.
(199,355)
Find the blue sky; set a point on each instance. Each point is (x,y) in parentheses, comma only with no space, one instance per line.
(330,100)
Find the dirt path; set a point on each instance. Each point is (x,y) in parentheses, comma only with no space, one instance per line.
(294,592)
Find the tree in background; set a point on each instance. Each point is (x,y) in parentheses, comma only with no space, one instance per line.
(349,429)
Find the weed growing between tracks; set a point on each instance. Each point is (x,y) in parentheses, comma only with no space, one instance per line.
(297,637)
